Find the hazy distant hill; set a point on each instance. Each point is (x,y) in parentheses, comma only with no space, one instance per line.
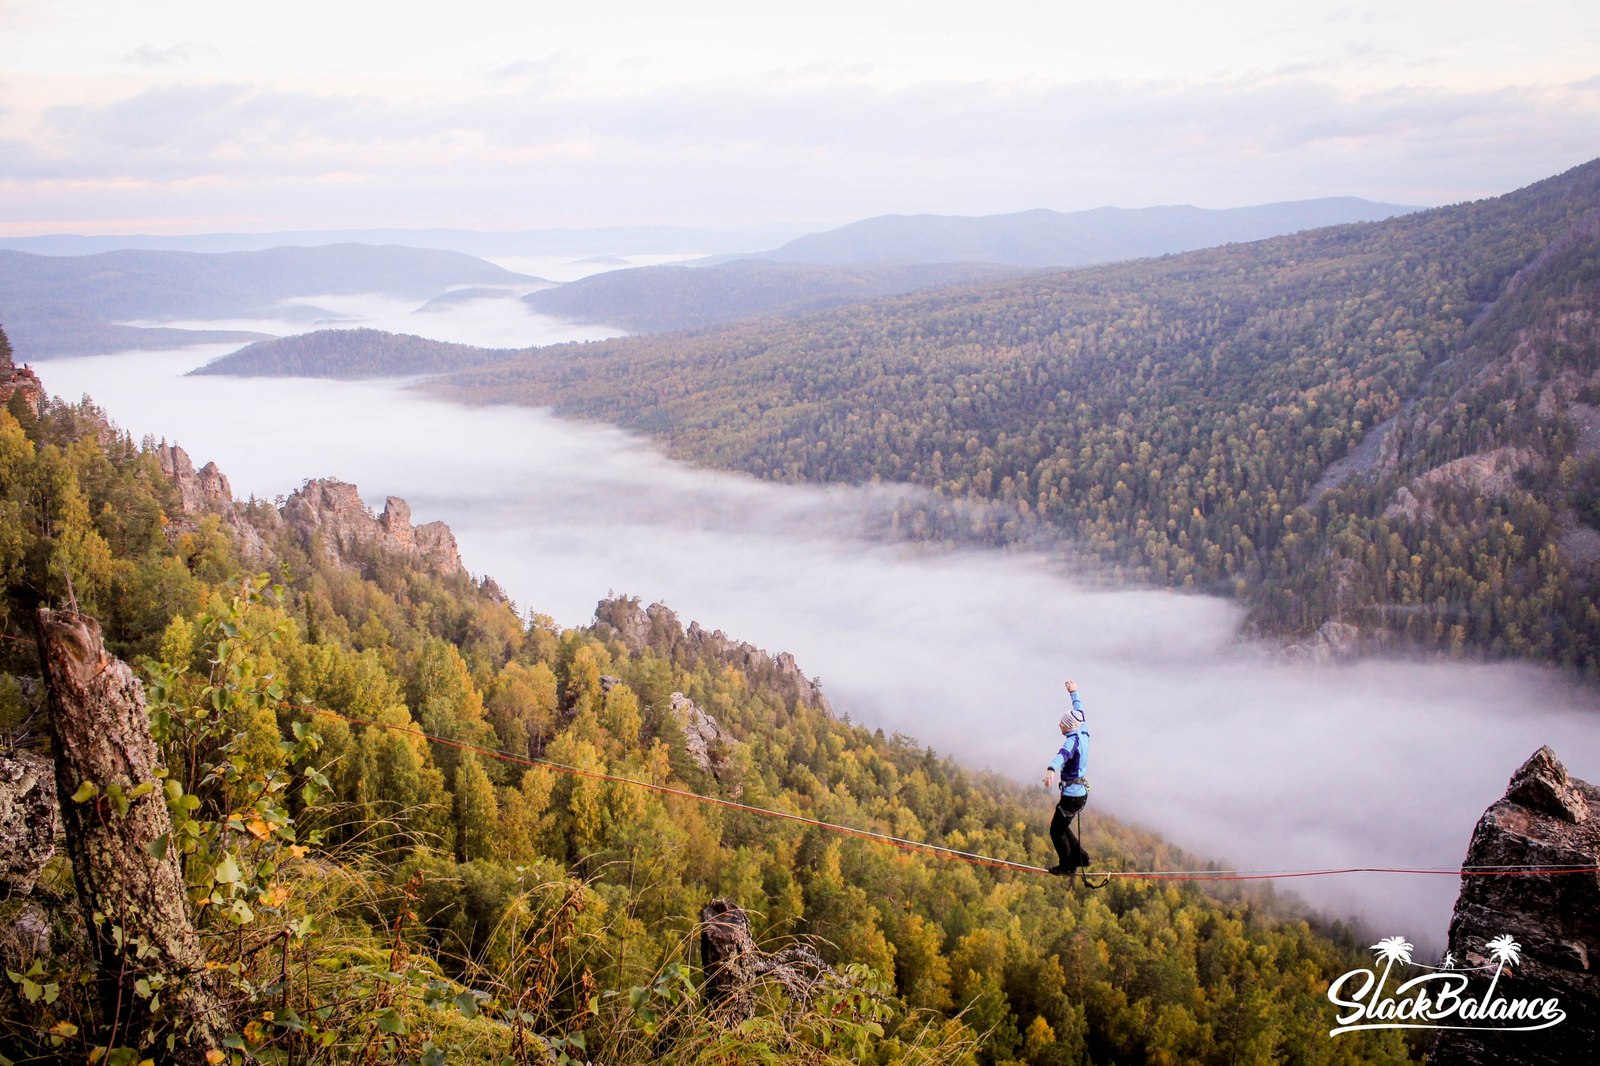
(655,299)
(1389,429)
(1051,238)
(608,241)
(69,305)
(349,353)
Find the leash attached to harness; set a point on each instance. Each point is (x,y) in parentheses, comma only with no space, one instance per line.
(1083,871)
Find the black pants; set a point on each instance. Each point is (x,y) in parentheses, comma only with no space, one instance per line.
(1068,850)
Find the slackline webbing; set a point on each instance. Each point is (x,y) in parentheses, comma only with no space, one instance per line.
(970,857)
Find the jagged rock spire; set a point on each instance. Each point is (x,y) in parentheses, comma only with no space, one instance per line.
(1543,820)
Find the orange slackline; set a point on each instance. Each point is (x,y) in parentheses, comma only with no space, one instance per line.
(973,858)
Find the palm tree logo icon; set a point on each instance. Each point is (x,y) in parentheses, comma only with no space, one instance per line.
(1503,950)
(1389,949)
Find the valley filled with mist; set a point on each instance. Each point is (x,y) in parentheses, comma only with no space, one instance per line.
(937,615)
(1223,742)
(1218,743)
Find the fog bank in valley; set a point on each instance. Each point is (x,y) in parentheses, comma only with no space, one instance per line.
(1224,749)
(490,317)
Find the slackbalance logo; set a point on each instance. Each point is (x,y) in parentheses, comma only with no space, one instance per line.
(1441,997)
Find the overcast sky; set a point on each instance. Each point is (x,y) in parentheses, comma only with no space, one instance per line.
(194,116)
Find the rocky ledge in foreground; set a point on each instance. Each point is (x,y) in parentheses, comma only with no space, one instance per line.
(1546,818)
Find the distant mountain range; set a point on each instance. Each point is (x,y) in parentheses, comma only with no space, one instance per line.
(79,305)
(664,298)
(577,243)
(1028,238)
(79,298)
(895,254)
(1051,238)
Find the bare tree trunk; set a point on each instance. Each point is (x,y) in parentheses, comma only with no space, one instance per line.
(134,903)
(735,968)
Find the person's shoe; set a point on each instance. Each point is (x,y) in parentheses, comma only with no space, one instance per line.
(1060,871)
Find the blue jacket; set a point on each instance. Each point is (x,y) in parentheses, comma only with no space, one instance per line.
(1072,761)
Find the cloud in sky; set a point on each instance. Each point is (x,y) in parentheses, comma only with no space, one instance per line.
(716,115)
(149,55)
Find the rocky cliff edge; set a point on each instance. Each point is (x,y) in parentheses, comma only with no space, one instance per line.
(656,629)
(1546,818)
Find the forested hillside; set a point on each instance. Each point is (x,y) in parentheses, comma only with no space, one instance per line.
(1183,417)
(349,353)
(366,893)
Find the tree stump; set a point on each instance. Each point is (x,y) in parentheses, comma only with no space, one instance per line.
(735,968)
(134,903)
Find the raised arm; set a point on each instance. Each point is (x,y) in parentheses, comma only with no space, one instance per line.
(1077,700)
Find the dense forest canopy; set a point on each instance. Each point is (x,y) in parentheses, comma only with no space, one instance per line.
(1182,417)
(366,894)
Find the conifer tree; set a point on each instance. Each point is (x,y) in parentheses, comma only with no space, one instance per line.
(477,811)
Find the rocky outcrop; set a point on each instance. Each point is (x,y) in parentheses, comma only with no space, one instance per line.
(1372,452)
(203,491)
(1333,642)
(779,672)
(206,492)
(653,629)
(18,383)
(656,629)
(22,383)
(707,743)
(329,512)
(1546,818)
(1490,473)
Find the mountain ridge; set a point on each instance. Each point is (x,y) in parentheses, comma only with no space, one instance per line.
(1044,238)
(680,297)
(80,305)
(1174,414)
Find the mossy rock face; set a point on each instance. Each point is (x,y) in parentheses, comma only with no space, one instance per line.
(29,820)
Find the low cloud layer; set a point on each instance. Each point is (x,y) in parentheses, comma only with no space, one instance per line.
(496,318)
(739,149)
(1213,742)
